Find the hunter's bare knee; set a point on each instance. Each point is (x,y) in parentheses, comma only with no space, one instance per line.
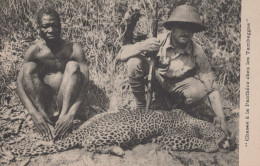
(72,67)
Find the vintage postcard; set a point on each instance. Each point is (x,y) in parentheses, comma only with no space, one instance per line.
(137,82)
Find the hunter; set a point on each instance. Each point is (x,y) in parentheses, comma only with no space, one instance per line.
(53,78)
(183,71)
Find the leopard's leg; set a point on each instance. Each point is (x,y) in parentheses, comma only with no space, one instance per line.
(184,143)
(110,140)
(110,149)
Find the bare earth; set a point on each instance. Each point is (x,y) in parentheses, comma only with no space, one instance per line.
(141,155)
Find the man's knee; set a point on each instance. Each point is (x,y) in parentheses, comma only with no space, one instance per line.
(194,92)
(137,67)
(29,68)
(72,67)
(193,95)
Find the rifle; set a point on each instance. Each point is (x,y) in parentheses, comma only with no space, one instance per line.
(152,62)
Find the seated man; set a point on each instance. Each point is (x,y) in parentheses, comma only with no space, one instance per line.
(182,71)
(53,78)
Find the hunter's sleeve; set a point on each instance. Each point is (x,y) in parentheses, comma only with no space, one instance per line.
(128,51)
(204,71)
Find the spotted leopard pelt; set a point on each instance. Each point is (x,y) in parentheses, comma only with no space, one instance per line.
(172,130)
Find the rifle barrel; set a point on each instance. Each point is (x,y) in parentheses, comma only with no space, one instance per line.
(152,63)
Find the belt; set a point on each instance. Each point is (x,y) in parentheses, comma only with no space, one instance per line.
(163,79)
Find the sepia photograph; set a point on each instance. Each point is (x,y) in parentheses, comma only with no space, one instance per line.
(127,82)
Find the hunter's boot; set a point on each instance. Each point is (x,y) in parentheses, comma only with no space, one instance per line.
(138,89)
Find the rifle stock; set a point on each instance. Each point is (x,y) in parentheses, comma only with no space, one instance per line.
(152,63)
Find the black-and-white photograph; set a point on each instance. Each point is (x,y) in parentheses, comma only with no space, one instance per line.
(120,82)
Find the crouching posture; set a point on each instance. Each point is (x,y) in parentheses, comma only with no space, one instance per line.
(53,78)
(183,72)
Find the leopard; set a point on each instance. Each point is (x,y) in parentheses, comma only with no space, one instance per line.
(114,132)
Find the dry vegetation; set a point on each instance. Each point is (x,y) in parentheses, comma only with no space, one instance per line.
(98,27)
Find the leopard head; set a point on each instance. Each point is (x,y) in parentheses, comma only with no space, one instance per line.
(227,144)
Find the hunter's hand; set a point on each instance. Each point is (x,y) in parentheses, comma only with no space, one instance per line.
(41,125)
(63,126)
(222,124)
(150,45)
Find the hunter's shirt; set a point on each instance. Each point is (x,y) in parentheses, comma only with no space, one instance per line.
(188,62)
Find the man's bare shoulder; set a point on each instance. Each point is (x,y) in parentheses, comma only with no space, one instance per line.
(32,51)
(74,47)
(77,52)
(39,44)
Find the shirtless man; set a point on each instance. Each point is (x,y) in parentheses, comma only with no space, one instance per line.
(53,78)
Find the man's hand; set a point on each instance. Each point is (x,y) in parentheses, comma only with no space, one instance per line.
(222,124)
(41,125)
(63,125)
(150,45)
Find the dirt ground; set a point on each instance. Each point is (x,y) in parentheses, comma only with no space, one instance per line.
(141,155)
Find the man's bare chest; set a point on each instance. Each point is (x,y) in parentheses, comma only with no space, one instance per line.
(50,62)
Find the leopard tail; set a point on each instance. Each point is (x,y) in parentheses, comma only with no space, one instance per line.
(59,146)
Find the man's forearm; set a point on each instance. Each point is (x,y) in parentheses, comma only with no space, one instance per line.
(23,96)
(216,104)
(129,51)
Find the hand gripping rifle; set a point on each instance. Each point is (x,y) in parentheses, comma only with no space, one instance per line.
(152,63)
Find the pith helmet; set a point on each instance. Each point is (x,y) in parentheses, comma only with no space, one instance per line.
(185,14)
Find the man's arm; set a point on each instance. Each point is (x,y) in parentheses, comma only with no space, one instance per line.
(23,96)
(207,78)
(39,120)
(132,50)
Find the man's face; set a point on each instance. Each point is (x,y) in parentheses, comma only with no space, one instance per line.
(50,27)
(181,34)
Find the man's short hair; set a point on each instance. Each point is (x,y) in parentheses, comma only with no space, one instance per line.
(47,11)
